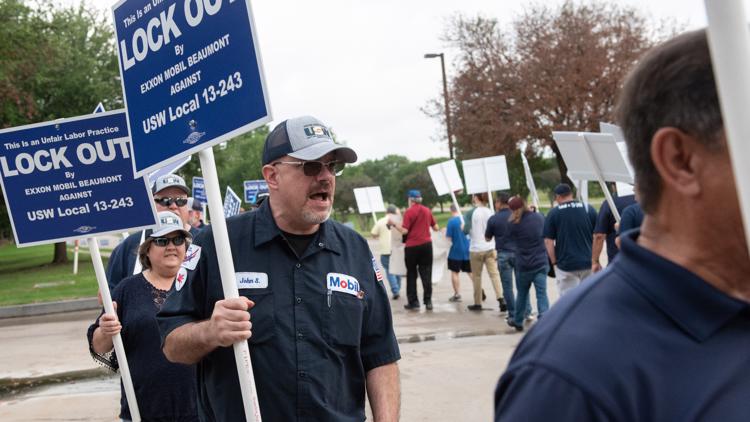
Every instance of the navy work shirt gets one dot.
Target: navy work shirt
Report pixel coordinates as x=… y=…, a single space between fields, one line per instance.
x=605 y=221
x=527 y=235
x=312 y=344
x=644 y=340
x=571 y=226
x=498 y=227
x=631 y=218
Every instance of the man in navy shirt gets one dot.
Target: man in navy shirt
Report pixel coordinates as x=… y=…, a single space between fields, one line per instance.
x=605 y=230
x=662 y=333
x=568 y=230
x=498 y=227
x=322 y=333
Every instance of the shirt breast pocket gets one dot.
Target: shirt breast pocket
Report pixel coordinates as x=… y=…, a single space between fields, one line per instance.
x=262 y=315
x=344 y=319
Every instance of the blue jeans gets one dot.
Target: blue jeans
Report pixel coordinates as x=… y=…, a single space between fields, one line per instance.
x=539 y=278
x=393 y=280
x=506 y=265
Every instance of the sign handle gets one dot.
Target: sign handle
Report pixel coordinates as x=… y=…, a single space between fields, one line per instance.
x=228 y=283
x=729 y=40
x=600 y=178
x=75 y=258
x=122 y=360
x=490 y=201
x=530 y=181
x=453 y=195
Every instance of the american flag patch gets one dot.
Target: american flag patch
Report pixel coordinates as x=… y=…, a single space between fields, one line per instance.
x=376 y=268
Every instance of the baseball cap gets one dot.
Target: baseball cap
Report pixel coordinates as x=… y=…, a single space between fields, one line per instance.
x=563 y=189
x=515 y=203
x=305 y=138
x=391 y=209
x=415 y=193
x=169 y=180
x=168 y=222
x=195 y=205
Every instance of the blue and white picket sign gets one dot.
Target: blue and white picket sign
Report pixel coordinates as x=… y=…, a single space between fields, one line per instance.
x=168 y=169
x=199 y=190
x=253 y=188
x=71 y=179
x=232 y=203
x=191 y=73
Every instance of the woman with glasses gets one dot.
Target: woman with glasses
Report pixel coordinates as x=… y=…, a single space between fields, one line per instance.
x=164 y=390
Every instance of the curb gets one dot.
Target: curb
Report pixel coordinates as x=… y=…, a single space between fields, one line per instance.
x=12 y=386
x=35 y=309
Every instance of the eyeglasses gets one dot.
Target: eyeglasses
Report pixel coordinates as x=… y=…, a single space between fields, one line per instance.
x=167 y=201
x=164 y=241
x=313 y=168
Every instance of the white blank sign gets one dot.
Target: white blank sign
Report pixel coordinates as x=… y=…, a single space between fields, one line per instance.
x=445 y=177
x=369 y=199
x=616 y=131
x=605 y=150
x=486 y=174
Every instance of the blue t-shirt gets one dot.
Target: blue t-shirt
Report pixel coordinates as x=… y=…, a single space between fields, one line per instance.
x=527 y=234
x=498 y=227
x=571 y=225
x=631 y=218
x=643 y=340
x=605 y=222
x=459 y=243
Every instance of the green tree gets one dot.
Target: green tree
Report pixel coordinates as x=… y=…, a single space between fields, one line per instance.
x=56 y=62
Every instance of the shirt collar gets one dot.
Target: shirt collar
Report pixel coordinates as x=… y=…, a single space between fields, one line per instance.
x=267 y=230
x=696 y=306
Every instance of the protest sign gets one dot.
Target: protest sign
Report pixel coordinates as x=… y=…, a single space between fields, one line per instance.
x=446 y=179
x=594 y=156
x=191 y=74
x=232 y=203
x=253 y=188
x=199 y=190
x=616 y=131
x=729 y=42
x=485 y=175
x=369 y=200
x=72 y=179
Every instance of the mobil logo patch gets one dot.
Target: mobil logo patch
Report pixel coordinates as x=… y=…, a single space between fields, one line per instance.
x=251 y=280
x=343 y=283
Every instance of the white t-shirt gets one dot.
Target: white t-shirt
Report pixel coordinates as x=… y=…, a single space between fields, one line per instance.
x=478 y=226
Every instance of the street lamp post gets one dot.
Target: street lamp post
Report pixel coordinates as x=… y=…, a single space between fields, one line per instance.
x=445 y=99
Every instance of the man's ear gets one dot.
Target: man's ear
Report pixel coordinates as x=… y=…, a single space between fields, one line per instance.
x=271 y=174
x=678 y=158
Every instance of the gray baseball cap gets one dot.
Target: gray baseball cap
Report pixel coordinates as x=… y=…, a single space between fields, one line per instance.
x=168 y=222
x=169 y=180
x=305 y=138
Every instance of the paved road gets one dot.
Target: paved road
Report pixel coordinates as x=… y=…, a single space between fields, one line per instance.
x=451 y=361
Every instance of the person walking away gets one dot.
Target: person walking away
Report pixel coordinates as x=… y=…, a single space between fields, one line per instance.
x=482 y=253
x=382 y=232
x=458 y=255
x=416 y=225
x=568 y=231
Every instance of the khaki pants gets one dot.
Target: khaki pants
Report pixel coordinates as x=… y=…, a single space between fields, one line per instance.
x=487 y=259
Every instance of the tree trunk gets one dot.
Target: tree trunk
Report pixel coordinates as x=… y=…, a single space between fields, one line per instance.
x=61 y=253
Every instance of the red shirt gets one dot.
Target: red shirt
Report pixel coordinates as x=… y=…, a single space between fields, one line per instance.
x=418 y=219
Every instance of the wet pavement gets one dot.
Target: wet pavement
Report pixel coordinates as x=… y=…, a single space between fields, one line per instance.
x=451 y=360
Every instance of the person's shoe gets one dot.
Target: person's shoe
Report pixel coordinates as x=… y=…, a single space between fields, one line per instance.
x=503 y=305
x=484 y=296
x=411 y=306
x=512 y=324
x=428 y=305
x=455 y=298
x=396 y=296
x=474 y=307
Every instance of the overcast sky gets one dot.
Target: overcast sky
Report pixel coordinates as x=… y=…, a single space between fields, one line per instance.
x=359 y=67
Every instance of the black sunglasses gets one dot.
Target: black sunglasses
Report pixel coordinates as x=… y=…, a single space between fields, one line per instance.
x=313 y=168
x=164 y=241
x=167 y=201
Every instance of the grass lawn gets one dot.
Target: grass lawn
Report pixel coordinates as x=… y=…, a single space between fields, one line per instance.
x=26 y=276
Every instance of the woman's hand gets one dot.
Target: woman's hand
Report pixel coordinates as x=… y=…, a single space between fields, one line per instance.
x=109 y=324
